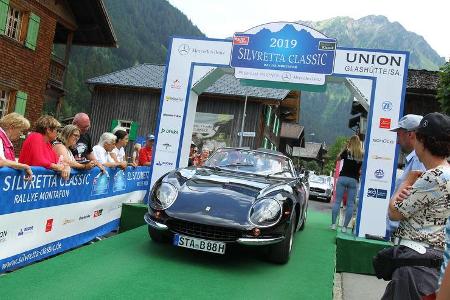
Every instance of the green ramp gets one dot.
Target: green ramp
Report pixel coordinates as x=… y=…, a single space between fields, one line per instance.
x=131 y=266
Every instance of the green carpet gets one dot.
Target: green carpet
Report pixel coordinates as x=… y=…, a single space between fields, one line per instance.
x=130 y=265
x=354 y=254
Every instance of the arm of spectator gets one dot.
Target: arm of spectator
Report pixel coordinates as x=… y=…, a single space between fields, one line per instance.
x=17 y=166
x=444 y=290
x=409 y=199
x=63 y=168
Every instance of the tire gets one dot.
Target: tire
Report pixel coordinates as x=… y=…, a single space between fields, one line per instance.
x=159 y=236
x=305 y=217
x=280 y=253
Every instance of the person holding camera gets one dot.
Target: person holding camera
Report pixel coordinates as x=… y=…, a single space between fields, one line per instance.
x=352 y=155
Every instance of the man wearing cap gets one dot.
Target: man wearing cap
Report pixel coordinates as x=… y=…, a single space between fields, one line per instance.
x=406 y=138
x=145 y=154
x=422 y=205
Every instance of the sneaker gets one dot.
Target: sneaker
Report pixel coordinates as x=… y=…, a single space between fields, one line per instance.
x=344 y=229
x=333 y=227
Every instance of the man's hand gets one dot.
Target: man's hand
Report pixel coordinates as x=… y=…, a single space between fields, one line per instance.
x=402 y=194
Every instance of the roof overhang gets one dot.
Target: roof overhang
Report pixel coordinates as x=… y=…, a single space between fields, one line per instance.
x=93 y=25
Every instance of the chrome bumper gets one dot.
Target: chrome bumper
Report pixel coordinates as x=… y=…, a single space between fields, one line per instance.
x=154 y=224
x=259 y=242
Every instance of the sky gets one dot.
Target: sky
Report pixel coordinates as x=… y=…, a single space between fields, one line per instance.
x=221 y=18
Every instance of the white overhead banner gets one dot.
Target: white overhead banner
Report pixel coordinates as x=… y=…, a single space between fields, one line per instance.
x=292 y=53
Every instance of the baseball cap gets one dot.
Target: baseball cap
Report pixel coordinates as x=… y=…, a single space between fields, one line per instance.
x=435 y=125
x=150 y=137
x=408 y=122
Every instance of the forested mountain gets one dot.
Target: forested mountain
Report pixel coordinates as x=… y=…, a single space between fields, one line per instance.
x=142 y=28
x=326 y=115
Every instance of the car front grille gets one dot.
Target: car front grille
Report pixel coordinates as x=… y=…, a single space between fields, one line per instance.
x=317 y=190
x=204 y=231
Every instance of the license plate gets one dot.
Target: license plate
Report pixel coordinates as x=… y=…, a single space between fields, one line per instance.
x=198 y=244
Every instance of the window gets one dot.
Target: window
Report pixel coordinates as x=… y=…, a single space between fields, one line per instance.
x=13 y=23
x=130 y=126
x=3 y=102
x=125 y=124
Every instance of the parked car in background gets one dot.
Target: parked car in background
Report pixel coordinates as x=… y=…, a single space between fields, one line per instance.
x=320 y=187
x=239 y=196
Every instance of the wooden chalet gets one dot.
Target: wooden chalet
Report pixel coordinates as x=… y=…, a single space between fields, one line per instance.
x=31 y=74
x=131 y=97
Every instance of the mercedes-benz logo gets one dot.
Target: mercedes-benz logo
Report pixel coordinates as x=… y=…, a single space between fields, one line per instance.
x=183 y=49
x=286 y=76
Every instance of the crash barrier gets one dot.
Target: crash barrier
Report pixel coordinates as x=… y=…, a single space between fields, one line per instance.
x=48 y=215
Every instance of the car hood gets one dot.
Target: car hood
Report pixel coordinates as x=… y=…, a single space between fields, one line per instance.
x=319 y=185
x=218 y=197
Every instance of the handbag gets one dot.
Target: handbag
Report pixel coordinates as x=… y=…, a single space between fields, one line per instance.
x=387 y=260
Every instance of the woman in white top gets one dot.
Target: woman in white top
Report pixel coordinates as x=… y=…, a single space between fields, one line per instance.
x=67 y=139
x=118 y=153
x=102 y=151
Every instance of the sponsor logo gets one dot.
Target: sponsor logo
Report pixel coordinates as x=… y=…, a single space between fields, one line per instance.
x=167 y=146
x=386 y=105
x=383 y=141
x=379 y=173
x=377 y=193
x=25 y=230
x=381 y=157
x=172 y=115
x=84 y=217
x=183 y=49
x=174 y=99
x=286 y=76
x=208 y=208
x=241 y=40
x=49 y=225
x=3 y=235
x=176 y=84
x=385 y=123
x=169 y=131
x=98 y=213
x=164 y=163
x=68 y=221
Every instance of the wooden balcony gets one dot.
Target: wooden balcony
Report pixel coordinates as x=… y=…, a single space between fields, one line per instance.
x=57 y=69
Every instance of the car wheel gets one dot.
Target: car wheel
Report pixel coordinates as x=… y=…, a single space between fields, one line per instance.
x=158 y=235
x=279 y=253
x=305 y=216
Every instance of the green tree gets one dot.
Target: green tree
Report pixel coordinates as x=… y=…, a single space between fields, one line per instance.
x=334 y=150
x=443 y=93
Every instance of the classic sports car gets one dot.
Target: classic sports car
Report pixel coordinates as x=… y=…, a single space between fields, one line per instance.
x=320 y=187
x=240 y=196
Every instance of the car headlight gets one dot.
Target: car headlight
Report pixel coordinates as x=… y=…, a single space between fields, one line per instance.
x=164 y=196
x=265 y=212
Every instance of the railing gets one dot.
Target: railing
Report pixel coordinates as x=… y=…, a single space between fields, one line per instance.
x=57 y=69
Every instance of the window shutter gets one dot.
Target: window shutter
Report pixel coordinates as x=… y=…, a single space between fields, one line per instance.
x=114 y=124
x=4 y=5
x=21 y=102
x=33 y=30
x=133 y=131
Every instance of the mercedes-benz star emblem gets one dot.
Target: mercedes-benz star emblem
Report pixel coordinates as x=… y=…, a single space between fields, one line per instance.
x=183 y=49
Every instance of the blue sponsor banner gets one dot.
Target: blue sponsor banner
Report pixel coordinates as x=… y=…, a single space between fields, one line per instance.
x=48 y=215
x=288 y=49
x=48 y=189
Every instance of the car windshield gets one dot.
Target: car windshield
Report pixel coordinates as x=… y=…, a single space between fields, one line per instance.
x=317 y=179
x=250 y=161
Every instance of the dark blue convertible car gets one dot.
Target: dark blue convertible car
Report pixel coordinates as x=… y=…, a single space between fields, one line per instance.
x=240 y=196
